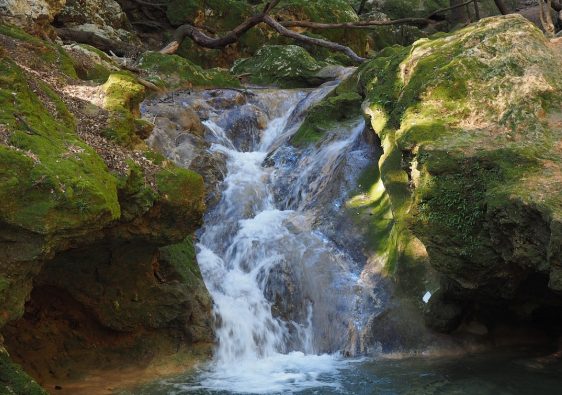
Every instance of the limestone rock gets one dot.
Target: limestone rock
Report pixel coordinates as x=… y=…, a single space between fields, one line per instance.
x=470 y=125
x=35 y=15
x=102 y=17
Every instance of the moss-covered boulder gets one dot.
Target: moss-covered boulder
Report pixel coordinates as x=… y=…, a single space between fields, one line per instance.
x=175 y=72
x=340 y=107
x=82 y=224
x=286 y=66
x=123 y=95
x=470 y=127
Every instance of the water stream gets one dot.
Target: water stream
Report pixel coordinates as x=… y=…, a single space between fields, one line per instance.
x=289 y=295
x=285 y=294
x=272 y=275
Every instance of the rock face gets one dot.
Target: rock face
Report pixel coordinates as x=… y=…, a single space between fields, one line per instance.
x=470 y=125
x=105 y=18
x=95 y=239
x=30 y=14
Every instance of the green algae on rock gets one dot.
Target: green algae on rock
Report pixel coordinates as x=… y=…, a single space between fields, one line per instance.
x=467 y=124
x=286 y=66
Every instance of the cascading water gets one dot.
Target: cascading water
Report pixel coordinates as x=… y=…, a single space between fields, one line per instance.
x=282 y=253
x=284 y=293
x=253 y=245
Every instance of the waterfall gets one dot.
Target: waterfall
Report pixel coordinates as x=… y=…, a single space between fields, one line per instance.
x=284 y=293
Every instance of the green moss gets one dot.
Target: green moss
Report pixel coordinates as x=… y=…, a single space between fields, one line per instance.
x=136 y=197
x=50 y=180
x=287 y=66
x=13 y=380
x=342 y=106
x=182 y=258
x=123 y=92
x=123 y=95
x=463 y=123
x=46 y=53
x=180 y=186
x=177 y=72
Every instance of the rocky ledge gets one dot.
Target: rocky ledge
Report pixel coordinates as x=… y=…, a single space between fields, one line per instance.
x=96 y=245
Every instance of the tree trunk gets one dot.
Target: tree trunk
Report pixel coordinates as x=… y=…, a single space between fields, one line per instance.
x=502 y=7
x=361 y=7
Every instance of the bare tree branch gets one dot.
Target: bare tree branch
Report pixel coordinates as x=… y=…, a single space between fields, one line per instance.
x=310 y=40
x=203 y=40
x=118 y=47
x=232 y=36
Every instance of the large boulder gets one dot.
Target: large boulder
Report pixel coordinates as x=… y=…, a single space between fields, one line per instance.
x=104 y=18
x=287 y=66
x=470 y=125
x=89 y=230
x=35 y=15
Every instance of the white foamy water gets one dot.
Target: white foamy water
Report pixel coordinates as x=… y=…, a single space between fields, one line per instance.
x=251 y=252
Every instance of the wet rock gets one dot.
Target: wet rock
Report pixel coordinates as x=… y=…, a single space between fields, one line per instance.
x=180 y=135
x=443 y=316
x=244 y=125
x=183 y=116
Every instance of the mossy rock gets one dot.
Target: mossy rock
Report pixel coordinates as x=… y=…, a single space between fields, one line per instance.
x=340 y=107
x=175 y=72
x=182 y=196
x=468 y=126
x=136 y=196
x=90 y=63
x=46 y=55
x=13 y=380
x=51 y=181
x=123 y=95
x=285 y=66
